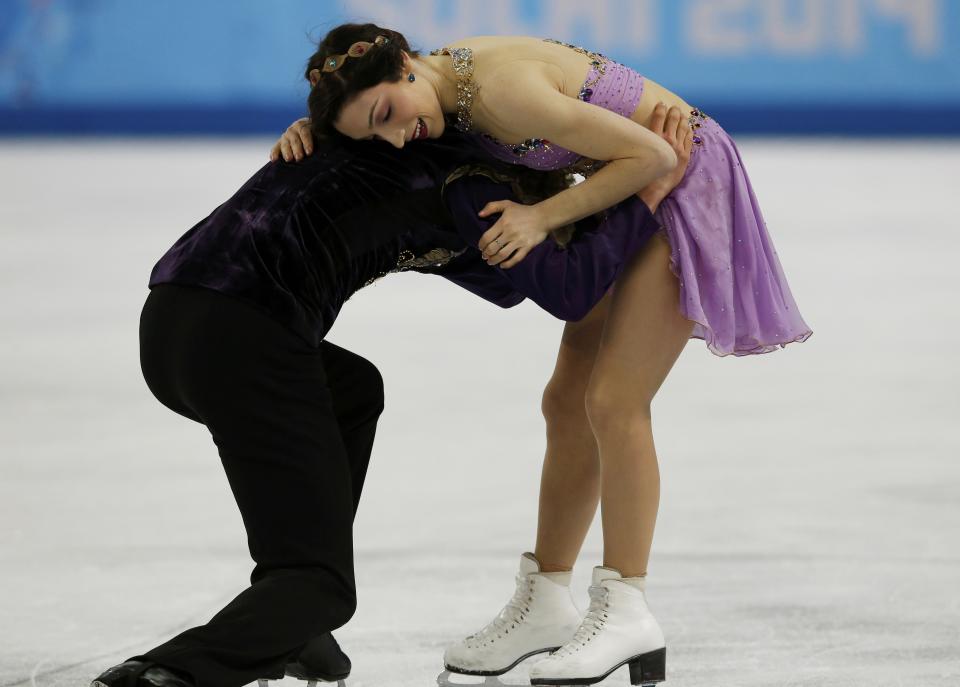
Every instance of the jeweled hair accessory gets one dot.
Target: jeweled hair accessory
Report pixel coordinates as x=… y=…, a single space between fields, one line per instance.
x=358 y=49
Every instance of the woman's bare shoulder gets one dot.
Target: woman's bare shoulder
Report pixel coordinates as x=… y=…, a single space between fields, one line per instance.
x=497 y=57
x=483 y=42
x=501 y=94
x=500 y=65
x=500 y=60
x=489 y=52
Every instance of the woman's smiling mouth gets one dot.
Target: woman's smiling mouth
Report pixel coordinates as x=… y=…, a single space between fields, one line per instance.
x=421 y=130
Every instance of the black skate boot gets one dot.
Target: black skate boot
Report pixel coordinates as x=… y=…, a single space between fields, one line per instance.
x=320 y=660
x=141 y=673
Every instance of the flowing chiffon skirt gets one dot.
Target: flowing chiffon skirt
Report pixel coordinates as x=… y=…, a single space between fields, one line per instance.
x=731 y=282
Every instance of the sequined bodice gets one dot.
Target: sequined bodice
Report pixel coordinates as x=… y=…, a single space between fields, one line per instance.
x=609 y=84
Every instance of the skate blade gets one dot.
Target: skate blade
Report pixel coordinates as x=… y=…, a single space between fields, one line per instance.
x=443 y=680
x=264 y=682
x=499 y=671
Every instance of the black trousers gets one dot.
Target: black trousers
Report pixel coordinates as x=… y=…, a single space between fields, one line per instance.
x=294 y=427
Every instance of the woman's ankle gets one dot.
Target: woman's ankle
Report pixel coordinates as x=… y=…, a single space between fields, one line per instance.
x=548 y=566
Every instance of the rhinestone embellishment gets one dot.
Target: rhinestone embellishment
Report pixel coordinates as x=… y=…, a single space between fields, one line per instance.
x=695 y=120
x=597 y=60
x=408 y=260
x=466 y=89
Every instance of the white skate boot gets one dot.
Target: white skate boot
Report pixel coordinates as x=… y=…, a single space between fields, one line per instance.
x=618 y=629
x=540 y=617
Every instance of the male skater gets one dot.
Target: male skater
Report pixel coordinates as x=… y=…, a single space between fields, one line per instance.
x=232 y=336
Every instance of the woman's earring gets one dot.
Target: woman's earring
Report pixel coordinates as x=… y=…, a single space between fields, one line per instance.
x=411 y=77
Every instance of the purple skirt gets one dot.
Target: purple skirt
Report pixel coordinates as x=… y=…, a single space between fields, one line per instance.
x=731 y=283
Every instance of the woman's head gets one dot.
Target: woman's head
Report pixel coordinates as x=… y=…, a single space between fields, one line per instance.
x=369 y=95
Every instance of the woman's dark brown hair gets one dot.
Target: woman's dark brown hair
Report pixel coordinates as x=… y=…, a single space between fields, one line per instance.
x=385 y=63
x=334 y=89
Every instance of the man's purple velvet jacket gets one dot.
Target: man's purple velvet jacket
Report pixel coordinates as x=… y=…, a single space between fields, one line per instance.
x=298 y=239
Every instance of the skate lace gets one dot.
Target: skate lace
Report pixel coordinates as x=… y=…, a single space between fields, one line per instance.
x=591 y=624
x=511 y=615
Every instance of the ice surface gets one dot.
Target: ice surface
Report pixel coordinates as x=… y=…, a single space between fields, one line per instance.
x=809 y=531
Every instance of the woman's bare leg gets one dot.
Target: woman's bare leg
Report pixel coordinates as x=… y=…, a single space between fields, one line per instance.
x=569 y=494
x=570 y=482
x=643 y=336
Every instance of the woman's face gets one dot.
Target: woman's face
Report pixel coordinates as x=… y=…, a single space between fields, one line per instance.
x=393 y=112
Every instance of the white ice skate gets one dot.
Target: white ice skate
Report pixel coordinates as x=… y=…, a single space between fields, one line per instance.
x=618 y=629
x=540 y=617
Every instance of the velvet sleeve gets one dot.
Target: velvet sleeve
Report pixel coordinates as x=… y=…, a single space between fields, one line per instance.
x=469 y=271
x=566 y=281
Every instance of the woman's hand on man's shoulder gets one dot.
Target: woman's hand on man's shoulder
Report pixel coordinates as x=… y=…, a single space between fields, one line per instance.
x=295 y=143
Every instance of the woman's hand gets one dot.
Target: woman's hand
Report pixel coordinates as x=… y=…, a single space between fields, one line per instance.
x=520 y=228
x=296 y=142
x=674 y=128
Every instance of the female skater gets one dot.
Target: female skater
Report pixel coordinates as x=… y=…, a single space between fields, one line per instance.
x=711 y=274
x=232 y=336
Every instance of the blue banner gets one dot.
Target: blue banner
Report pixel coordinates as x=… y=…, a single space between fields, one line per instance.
x=181 y=66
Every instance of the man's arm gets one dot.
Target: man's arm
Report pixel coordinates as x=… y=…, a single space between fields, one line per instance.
x=566 y=282
x=470 y=272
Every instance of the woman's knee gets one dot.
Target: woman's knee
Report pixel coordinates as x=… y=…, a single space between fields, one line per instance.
x=612 y=407
x=562 y=403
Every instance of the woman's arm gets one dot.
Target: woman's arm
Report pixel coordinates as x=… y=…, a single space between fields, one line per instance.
x=530 y=106
x=507 y=247
x=566 y=282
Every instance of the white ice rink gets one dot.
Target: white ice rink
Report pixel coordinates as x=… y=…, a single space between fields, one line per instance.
x=809 y=531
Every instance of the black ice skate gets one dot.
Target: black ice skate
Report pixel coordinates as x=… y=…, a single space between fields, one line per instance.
x=321 y=660
x=140 y=673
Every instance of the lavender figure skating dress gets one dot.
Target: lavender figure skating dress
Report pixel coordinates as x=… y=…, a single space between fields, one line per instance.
x=731 y=283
